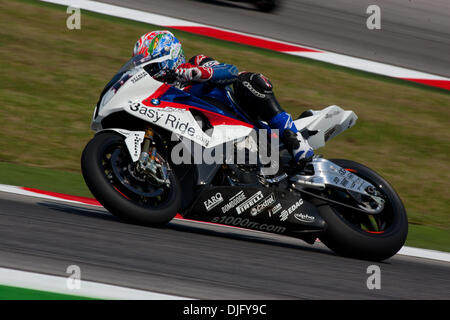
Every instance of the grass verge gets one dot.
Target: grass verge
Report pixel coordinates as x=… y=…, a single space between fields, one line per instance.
x=16 y=293
x=51 y=78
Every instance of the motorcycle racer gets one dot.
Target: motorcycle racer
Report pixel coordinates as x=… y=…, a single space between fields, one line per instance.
x=253 y=91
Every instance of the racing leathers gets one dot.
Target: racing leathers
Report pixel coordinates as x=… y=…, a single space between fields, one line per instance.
x=252 y=91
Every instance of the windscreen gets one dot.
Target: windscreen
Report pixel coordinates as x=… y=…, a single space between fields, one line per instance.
x=128 y=70
x=121 y=77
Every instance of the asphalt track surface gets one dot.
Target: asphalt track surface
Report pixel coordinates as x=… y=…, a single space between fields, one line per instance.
x=214 y=262
x=414 y=33
x=196 y=260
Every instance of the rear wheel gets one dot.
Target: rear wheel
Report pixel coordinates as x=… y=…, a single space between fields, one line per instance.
x=356 y=234
x=122 y=189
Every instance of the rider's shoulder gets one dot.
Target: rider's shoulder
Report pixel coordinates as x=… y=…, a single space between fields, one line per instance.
x=203 y=61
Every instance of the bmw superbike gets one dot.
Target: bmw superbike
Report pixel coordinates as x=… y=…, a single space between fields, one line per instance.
x=144 y=128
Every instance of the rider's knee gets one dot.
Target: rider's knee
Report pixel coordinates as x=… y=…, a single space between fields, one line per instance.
x=254 y=92
x=251 y=85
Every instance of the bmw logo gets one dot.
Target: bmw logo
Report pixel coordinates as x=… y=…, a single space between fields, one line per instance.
x=155 y=102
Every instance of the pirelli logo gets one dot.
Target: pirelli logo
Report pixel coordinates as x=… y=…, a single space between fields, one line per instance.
x=250 y=202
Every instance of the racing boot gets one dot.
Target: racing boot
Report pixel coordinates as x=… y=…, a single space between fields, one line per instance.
x=300 y=150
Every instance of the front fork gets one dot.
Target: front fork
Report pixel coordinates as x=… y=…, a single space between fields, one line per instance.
x=148 y=162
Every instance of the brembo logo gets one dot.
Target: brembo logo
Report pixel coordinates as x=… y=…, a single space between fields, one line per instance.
x=213 y=201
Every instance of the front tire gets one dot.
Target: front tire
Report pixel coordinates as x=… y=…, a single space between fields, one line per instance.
x=344 y=234
x=109 y=189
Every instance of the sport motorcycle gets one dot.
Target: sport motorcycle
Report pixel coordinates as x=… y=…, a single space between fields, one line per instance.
x=144 y=127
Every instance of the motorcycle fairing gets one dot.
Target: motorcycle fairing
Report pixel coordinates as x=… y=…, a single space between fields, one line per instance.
x=326 y=124
x=256 y=205
x=170 y=108
x=222 y=95
x=165 y=106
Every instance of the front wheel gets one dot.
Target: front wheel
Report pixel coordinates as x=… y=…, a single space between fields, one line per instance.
x=372 y=237
x=124 y=190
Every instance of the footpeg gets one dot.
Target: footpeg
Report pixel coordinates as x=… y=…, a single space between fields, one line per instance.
x=306 y=182
x=277 y=179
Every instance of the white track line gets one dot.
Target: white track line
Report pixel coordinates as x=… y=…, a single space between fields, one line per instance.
x=89 y=289
x=320 y=55
x=368 y=66
x=406 y=251
x=122 y=12
x=21 y=191
x=425 y=253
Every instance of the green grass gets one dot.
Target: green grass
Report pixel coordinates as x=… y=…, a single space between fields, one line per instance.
x=428 y=238
x=15 y=293
x=51 y=77
x=45 y=179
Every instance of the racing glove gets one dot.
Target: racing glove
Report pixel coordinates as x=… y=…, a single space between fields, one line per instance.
x=166 y=75
x=191 y=73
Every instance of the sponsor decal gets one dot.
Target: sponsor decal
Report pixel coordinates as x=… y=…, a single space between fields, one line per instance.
x=213 y=201
x=348 y=180
x=180 y=122
x=332 y=114
x=134 y=105
x=250 y=202
x=138 y=77
x=133 y=142
x=234 y=201
x=285 y=213
x=262 y=205
x=248 y=224
x=137 y=144
x=172 y=110
x=275 y=209
x=162 y=118
x=304 y=217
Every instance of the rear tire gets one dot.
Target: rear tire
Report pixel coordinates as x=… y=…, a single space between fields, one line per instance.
x=109 y=195
x=347 y=239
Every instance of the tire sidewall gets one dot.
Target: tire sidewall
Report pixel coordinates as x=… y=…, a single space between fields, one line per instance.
x=111 y=199
x=346 y=240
